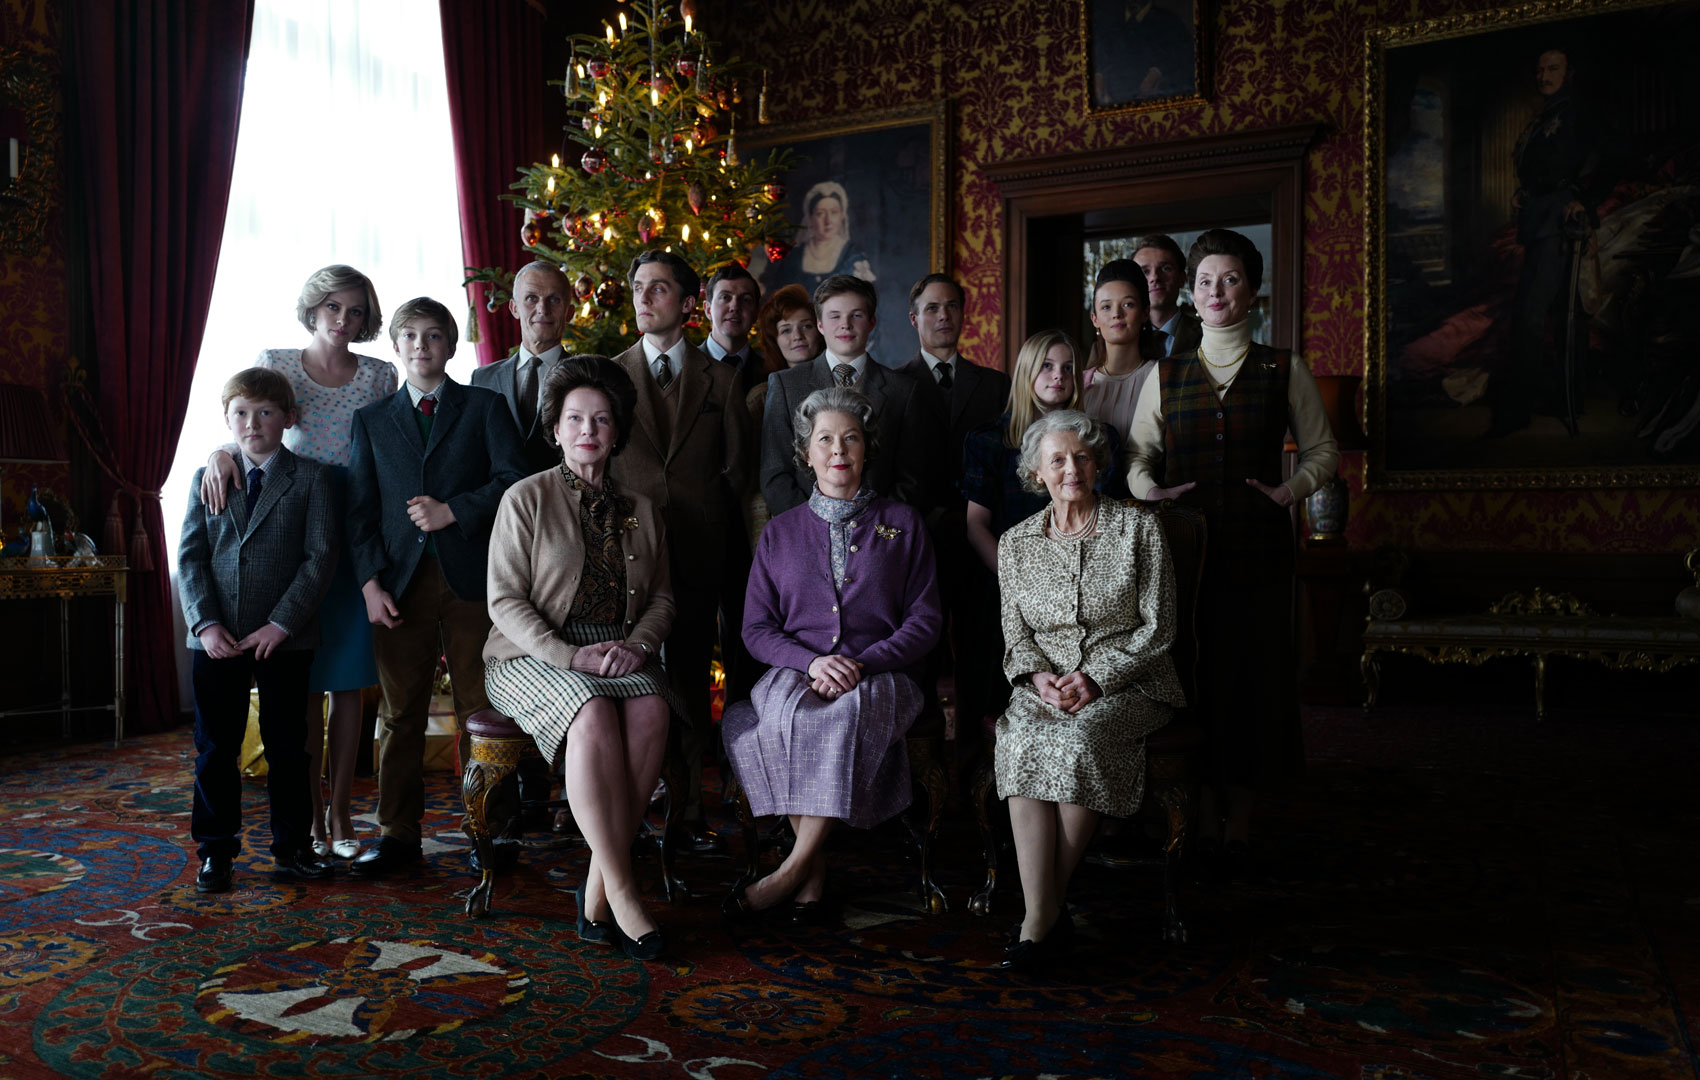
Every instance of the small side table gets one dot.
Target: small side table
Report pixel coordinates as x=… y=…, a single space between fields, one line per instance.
x=67 y=577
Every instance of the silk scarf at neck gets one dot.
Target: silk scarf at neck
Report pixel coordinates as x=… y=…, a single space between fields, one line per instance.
x=838 y=513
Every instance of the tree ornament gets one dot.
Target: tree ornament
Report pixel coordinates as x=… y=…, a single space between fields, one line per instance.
x=705 y=130
x=752 y=212
x=646 y=228
x=583 y=287
x=610 y=293
x=696 y=196
x=595 y=160
x=660 y=217
x=660 y=83
x=774 y=190
x=724 y=97
x=492 y=305
x=596 y=69
x=777 y=250
x=688 y=9
x=570 y=88
x=536 y=225
x=686 y=66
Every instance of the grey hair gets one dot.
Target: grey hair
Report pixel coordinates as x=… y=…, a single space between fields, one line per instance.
x=839 y=399
x=1089 y=431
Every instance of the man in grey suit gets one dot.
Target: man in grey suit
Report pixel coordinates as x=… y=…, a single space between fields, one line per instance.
x=687 y=455
x=1175 y=328
x=250 y=580
x=844 y=306
x=540 y=303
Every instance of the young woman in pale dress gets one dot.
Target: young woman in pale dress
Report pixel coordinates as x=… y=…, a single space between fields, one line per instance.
x=339 y=307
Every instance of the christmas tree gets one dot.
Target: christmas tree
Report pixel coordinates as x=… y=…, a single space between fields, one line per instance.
x=654 y=109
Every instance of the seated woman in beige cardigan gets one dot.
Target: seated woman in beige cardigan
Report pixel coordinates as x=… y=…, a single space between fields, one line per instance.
x=580 y=601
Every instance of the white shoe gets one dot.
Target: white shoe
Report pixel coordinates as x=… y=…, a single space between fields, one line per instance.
x=321 y=848
x=346 y=849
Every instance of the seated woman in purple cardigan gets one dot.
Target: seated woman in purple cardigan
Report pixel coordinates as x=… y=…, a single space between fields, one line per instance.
x=843 y=603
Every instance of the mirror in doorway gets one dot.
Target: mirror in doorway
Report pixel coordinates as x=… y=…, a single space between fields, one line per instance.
x=1103 y=249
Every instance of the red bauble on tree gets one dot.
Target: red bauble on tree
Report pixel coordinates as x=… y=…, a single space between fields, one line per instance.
x=696 y=196
x=686 y=66
x=774 y=190
x=598 y=69
x=646 y=228
x=595 y=160
x=610 y=294
x=705 y=130
x=536 y=226
x=583 y=287
x=777 y=250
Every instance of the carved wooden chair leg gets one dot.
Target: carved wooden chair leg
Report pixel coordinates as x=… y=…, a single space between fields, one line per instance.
x=747 y=824
x=1177 y=800
x=928 y=772
x=985 y=782
x=672 y=813
x=492 y=761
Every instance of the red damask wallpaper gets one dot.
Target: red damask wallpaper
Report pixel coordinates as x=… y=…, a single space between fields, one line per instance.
x=34 y=311
x=1013 y=69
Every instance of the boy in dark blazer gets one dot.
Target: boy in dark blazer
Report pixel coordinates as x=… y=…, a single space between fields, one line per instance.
x=250 y=580
x=430 y=464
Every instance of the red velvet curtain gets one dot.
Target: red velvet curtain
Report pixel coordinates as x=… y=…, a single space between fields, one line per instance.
x=157 y=94
x=494 y=56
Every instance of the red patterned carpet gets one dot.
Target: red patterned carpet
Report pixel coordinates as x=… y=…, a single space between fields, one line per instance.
x=1447 y=895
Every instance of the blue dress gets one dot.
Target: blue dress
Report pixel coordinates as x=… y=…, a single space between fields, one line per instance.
x=323 y=432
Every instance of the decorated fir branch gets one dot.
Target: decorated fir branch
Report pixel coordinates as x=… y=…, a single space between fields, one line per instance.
x=652 y=161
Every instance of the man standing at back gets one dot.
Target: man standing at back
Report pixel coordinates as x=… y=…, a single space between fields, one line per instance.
x=687 y=454
x=844 y=309
x=733 y=297
x=1175 y=326
x=540 y=304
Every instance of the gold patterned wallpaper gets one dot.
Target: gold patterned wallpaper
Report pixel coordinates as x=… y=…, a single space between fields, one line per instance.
x=1013 y=69
x=34 y=310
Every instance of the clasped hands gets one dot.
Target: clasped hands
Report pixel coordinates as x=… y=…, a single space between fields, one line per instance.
x=220 y=644
x=609 y=659
x=1069 y=693
x=830 y=676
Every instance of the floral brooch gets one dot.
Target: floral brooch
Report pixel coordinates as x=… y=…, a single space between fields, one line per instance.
x=631 y=524
x=887 y=532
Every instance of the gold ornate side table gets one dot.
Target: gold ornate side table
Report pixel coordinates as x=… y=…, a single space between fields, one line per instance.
x=67 y=577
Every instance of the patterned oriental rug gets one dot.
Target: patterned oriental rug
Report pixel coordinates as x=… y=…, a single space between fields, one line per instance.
x=1445 y=895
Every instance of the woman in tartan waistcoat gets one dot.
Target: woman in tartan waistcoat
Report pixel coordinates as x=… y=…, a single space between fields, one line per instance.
x=1208 y=430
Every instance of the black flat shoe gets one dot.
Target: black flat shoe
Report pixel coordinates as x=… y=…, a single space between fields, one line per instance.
x=737 y=907
x=648 y=947
x=214 y=875
x=590 y=929
x=808 y=913
x=303 y=865
x=1026 y=957
x=386 y=857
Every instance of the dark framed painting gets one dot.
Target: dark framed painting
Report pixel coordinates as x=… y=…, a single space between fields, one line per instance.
x=1533 y=240
x=870 y=197
x=1142 y=54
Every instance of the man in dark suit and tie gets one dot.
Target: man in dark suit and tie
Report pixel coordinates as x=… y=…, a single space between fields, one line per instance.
x=687 y=454
x=1175 y=329
x=844 y=306
x=540 y=303
x=733 y=297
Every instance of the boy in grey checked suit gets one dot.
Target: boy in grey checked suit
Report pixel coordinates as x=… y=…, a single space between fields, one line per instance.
x=251 y=579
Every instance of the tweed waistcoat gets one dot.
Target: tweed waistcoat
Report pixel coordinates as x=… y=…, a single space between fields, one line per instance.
x=1219 y=443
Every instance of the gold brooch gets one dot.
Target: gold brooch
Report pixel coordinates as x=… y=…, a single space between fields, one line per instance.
x=632 y=523
x=887 y=532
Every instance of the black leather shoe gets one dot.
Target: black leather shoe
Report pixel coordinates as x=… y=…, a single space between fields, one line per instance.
x=737 y=907
x=808 y=913
x=304 y=865
x=590 y=930
x=648 y=947
x=214 y=875
x=386 y=857
x=1026 y=956
x=698 y=839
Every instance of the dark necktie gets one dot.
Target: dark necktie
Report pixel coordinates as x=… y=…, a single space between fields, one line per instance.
x=256 y=480
x=845 y=374
x=663 y=371
x=527 y=394
x=427 y=405
x=944 y=375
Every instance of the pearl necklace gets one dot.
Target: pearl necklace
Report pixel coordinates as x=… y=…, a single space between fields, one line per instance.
x=1084 y=530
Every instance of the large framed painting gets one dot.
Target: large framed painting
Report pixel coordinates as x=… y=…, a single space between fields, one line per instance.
x=1142 y=54
x=870 y=197
x=1533 y=240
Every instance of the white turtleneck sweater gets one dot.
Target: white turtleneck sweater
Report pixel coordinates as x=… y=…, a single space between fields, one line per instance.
x=1318 y=453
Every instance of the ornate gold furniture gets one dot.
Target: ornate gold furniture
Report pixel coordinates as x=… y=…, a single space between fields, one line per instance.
x=1538 y=626
x=65 y=577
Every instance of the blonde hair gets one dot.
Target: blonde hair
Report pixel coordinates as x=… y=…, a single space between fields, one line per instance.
x=334 y=279
x=1024 y=408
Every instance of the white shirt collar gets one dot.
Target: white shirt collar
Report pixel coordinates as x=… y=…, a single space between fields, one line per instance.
x=264 y=466
x=675 y=353
x=419 y=395
x=548 y=356
x=716 y=350
x=933 y=362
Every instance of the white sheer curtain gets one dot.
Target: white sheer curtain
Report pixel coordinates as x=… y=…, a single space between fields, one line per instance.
x=344 y=155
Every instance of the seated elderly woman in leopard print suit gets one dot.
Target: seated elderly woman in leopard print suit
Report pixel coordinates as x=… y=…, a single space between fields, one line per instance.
x=1088 y=617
